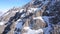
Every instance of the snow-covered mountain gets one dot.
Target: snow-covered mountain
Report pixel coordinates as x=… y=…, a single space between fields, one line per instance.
x=36 y=17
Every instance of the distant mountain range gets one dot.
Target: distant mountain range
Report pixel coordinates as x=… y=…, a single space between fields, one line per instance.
x=1 y=13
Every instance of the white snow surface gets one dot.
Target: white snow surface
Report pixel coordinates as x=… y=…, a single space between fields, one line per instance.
x=2 y=23
x=30 y=31
x=46 y=19
x=21 y=10
x=23 y=15
x=32 y=10
x=40 y=18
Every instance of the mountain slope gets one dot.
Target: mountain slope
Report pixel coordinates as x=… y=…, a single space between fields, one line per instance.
x=36 y=17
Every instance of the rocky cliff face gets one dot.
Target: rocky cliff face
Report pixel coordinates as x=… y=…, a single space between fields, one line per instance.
x=36 y=17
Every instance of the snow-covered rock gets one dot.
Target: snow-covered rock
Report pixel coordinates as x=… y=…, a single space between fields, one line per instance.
x=1 y=23
x=36 y=17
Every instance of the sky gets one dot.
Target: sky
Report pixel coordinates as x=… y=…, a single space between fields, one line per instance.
x=8 y=4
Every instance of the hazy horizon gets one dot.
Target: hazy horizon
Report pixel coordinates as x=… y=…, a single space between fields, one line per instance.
x=7 y=4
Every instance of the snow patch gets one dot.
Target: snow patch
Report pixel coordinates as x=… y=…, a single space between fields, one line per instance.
x=39 y=18
x=26 y=28
x=23 y=15
x=21 y=10
x=32 y=9
x=19 y=20
x=39 y=30
x=30 y=31
x=2 y=23
x=47 y=11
